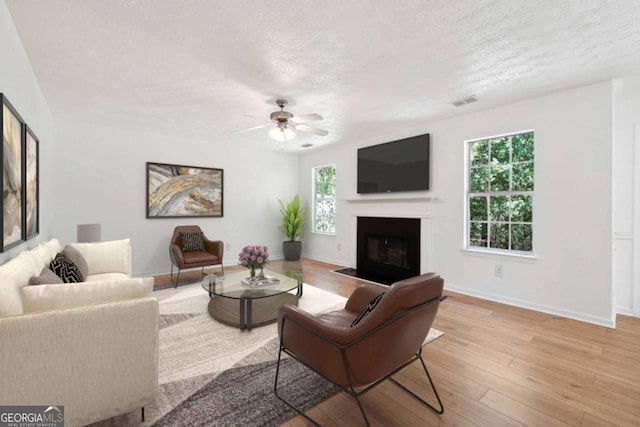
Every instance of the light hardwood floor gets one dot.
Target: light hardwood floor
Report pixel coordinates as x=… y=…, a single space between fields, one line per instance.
x=499 y=365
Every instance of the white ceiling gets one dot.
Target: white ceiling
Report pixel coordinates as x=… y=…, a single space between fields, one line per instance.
x=201 y=68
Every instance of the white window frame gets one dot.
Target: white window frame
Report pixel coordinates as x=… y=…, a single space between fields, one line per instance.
x=314 y=173
x=467 y=194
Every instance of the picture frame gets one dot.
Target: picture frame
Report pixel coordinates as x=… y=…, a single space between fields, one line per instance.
x=179 y=191
x=11 y=214
x=31 y=183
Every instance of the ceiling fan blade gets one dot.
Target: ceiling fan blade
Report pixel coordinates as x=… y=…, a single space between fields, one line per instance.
x=254 y=128
x=309 y=129
x=313 y=117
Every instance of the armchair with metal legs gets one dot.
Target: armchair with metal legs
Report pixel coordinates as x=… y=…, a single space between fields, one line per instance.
x=211 y=256
x=388 y=338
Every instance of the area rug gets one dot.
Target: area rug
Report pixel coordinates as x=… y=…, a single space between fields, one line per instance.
x=211 y=374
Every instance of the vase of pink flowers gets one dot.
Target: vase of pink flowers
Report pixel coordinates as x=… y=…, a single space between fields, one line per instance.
x=254 y=257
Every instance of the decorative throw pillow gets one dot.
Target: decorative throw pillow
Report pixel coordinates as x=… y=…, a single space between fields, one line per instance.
x=46 y=277
x=368 y=309
x=192 y=242
x=76 y=257
x=66 y=269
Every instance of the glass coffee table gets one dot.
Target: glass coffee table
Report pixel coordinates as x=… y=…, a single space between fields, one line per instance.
x=250 y=304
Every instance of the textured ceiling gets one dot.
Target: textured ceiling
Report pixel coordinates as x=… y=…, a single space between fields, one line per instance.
x=202 y=68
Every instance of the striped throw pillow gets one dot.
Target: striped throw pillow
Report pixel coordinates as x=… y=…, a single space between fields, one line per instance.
x=66 y=269
x=368 y=309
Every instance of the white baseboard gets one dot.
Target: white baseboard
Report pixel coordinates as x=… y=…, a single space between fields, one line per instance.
x=328 y=261
x=175 y=270
x=625 y=311
x=600 y=321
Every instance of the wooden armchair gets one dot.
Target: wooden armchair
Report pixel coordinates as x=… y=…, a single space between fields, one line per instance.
x=208 y=254
x=368 y=341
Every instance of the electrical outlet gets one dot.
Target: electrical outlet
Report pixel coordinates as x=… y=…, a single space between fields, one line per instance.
x=227 y=246
x=339 y=246
x=499 y=270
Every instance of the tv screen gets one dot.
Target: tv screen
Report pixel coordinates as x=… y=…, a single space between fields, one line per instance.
x=401 y=165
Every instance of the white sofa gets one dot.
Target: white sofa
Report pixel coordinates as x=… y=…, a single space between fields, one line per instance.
x=91 y=346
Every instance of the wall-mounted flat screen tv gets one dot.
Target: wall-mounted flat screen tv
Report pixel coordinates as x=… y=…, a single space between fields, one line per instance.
x=401 y=165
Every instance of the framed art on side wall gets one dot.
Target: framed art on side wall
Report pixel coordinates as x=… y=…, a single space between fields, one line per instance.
x=183 y=191
x=12 y=215
x=31 y=182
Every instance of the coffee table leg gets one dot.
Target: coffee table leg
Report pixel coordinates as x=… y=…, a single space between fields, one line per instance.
x=242 y=320
x=249 y=307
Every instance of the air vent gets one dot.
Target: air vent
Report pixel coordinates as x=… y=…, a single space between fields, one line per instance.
x=306 y=145
x=464 y=101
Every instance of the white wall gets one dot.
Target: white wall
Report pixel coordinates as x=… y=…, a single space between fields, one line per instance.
x=571 y=275
x=101 y=177
x=18 y=83
x=626 y=120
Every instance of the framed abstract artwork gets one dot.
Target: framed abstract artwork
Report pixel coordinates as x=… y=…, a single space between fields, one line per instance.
x=183 y=191
x=31 y=185
x=11 y=155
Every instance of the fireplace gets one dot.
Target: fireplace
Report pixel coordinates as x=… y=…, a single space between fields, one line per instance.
x=388 y=249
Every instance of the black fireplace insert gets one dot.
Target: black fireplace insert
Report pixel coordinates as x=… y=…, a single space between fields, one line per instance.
x=388 y=249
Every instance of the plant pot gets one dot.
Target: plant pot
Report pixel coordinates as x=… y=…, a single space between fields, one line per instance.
x=292 y=250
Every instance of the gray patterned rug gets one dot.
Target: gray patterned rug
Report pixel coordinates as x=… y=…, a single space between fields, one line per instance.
x=243 y=395
x=211 y=374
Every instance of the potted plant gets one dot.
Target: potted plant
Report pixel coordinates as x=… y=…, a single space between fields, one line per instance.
x=291 y=226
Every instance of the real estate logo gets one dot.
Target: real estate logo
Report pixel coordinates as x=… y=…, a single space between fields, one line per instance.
x=32 y=416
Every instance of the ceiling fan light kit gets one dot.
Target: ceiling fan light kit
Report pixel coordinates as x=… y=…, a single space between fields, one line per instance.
x=282 y=133
x=284 y=124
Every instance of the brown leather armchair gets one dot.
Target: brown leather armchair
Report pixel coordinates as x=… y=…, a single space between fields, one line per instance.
x=212 y=255
x=382 y=343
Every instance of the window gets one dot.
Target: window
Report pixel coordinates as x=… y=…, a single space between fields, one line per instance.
x=324 y=199
x=500 y=193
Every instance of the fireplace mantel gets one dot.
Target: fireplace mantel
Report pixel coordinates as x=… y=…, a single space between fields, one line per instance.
x=384 y=199
x=396 y=205
x=408 y=207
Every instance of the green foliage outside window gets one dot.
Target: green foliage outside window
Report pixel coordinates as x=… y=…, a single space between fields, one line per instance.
x=325 y=199
x=500 y=198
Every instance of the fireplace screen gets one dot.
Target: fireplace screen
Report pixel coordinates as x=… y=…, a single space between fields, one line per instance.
x=390 y=251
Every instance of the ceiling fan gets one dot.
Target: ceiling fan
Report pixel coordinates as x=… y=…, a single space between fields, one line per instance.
x=284 y=124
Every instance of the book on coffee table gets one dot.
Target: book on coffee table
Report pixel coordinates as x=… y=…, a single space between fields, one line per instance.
x=260 y=281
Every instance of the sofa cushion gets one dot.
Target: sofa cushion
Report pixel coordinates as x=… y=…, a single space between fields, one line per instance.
x=105 y=276
x=74 y=255
x=42 y=254
x=199 y=256
x=106 y=257
x=16 y=272
x=66 y=269
x=46 y=277
x=192 y=241
x=67 y=295
x=53 y=246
